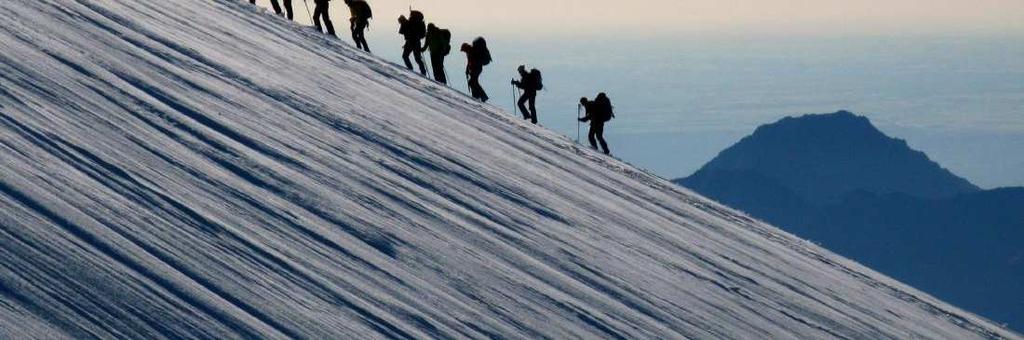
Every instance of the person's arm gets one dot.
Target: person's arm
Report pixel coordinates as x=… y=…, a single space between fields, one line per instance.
x=586 y=113
x=522 y=77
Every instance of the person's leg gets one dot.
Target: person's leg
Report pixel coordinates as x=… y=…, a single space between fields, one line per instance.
x=600 y=138
x=360 y=35
x=483 y=94
x=474 y=84
x=419 y=60
x=591 y=136
x=327 y=19
x=437 y=66
x=288 y=9
x=362 y=40
x=522 y=106
x=354 y=27
x=406 y=51
x=442 y=76
x=533 y=107
x=318 y=10
x=276 y=6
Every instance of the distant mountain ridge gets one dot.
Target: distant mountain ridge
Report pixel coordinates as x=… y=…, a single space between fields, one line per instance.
x=837 y=180
x=822 y=157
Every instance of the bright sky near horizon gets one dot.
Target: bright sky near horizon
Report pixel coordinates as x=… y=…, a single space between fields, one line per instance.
x=571 y=17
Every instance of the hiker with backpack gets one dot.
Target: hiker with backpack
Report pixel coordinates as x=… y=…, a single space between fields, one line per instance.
x=439 y=42
x=530 y=83
x=477 y=56
x=599 y=111
x=322 y=10
x=414 y=30
x=360 y=20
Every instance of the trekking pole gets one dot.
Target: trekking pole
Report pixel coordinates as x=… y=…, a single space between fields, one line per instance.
x=515 y=109
x=579 y=114
x=305 y=4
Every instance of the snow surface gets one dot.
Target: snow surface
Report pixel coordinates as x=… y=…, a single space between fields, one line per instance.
x=196 y=168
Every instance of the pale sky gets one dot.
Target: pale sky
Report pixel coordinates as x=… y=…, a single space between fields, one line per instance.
x=646 y=17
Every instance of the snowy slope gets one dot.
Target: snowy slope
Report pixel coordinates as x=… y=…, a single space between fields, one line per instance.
x=167 y=172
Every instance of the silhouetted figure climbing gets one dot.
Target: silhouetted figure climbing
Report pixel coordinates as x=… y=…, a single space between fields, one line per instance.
x=322 y=10
x=530 y=82
x=414 y=30
x=477 y=56
x=439 y=42
x=360 y=20
x=599 y=111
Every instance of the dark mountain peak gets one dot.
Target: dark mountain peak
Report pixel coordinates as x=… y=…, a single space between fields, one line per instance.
x=836 y=179
x=821 y=157
x=830 y=128
x=841 y=117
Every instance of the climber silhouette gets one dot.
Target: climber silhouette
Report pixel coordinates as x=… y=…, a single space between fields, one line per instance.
x=599 y=111
x=323 y=10
x=530 y=82
x=414 y=30
x=439 y=42
x=477 y=56
x=360 y=20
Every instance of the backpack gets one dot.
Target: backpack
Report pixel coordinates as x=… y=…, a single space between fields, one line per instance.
x=446 y=41
x=362 y=10
x=603 y=108
x=417 y=28
x=483 y=55
x=538 y=80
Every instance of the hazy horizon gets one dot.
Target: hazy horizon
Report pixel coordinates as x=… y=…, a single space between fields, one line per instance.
x=641 y=18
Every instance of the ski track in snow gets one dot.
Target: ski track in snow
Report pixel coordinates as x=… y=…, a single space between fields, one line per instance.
x=201 y=169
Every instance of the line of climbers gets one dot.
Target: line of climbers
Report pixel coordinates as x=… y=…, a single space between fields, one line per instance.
x=438 y=42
